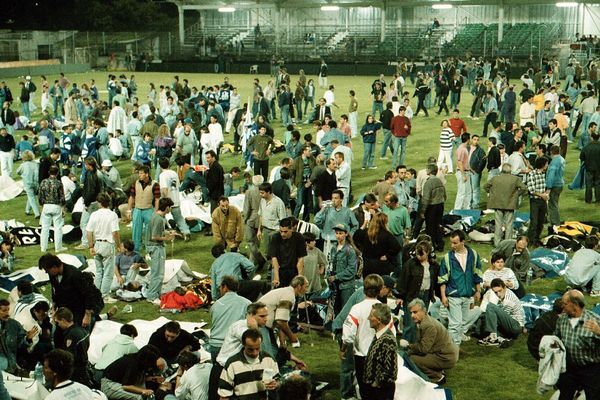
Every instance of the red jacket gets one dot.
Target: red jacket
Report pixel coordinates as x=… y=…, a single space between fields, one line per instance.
x=398 y=126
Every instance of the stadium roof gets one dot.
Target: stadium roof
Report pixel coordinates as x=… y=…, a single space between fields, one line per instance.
x=245 y=4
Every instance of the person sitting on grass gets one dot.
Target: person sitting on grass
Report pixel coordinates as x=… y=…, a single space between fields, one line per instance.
x=584 y=267
x=506 y=318
x=497 y=269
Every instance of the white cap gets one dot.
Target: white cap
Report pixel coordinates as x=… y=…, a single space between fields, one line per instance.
x=106 y=163
x=28 y=77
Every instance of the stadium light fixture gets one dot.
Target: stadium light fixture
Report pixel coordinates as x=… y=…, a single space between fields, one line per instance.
x=441 y=6
x=226 y=9
x=566 y=4
x=330 y=8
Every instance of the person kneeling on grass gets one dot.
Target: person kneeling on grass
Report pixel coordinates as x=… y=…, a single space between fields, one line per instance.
x=507 y=317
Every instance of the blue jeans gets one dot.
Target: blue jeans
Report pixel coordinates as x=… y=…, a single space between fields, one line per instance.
x=368 y=155
x=25 y=109
x=299 y=110
x=105 y=266
x=454 y=100
x=157 y=271
x=58 y=105
x=4 y=393
x=32 y=202
x=307 y=101
x=179 y=220
x=285 y=115
x=141 y=221
x=398 y=156
x=475 y=187
x=376 y=107
x=387 y=142
x=303 y=198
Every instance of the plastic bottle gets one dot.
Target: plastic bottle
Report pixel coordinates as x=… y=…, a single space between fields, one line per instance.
x=38 y=373
x=529 y=277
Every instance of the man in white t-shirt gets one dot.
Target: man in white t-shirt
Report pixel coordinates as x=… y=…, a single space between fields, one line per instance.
x=169 y=187
x=58 y=366
x=103 y=238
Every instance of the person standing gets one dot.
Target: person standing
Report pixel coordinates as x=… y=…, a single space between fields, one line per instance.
x=477 y=161
x=92 y=186
x=169 y=187
x=156 y=249
x=143 y=200
x=7 y=152
x=252 y=217
x=301 y=170
x=104 y=239
x=52 y=199
x=538 y=198
x=555 y=180
x=24 y=98
x=463 y=172
x=271 y=211
x=590 y=155
x=286 y=251
x=29 y=170
x=381 y=364
x=503 y=197
x=491 y=112
x=579 y=330
x=323 y=74
x=369 y=135
x=344 y=262
x=386 y=120
x=459 y=280
x=400 y=127
x=431 y=206
x=227 y=227
x=446 y=145
x=260 y=146
x=215 y=179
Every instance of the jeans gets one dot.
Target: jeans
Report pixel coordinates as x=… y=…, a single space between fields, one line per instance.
x=476 y=190
x=537 y=214
x=496 y=319
x=307 y=101
x=303 y=198
x=32 y=202
x=179 y=220
x=299 y=109
x=458 y=314
x=398 y=143
x=3 y=392
x=58 y=105
x=157 y=271
x=476 y=107
x=105 y=266
x=592 y=183
x=387 y=142
x=285 y=115
x=368 y=155
x=489 y=119
x=347 y=388
x=553 y=211
x=140 y=222
x=51 y=214
x=454 y=99
x=463 y=191
x=492 y=173
x=376 y=107
x=503 y=218
x=25 y=109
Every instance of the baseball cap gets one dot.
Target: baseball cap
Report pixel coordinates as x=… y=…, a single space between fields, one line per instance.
x=389 y=282
x=106 y=163
x=341 y=227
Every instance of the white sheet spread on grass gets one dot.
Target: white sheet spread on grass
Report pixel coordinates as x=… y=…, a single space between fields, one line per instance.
x=105 y=331
x=411 y=386
x=9 y=189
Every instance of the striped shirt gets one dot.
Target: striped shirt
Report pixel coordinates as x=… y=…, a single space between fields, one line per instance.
x=512 y=305
x=242 y=379
x=446 y=137
x=506 y=274
x=536 y=182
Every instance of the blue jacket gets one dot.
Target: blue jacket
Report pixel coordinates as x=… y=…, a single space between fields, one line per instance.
x=555 y=176
x=460 y=283
x=344 y=264
x=369 y=132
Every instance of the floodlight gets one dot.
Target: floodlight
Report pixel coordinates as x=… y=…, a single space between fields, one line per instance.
x=441 y=6
x=330 y=8
x=566 y=4
x=226 y=9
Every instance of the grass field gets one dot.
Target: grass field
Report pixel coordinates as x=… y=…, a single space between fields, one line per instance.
x=481 y=372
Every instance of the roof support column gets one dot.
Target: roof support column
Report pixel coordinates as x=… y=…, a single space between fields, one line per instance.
x=500 y=21
x=181 y=24
x=382 y=35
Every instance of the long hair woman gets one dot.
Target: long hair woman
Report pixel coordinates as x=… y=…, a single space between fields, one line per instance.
x=378 y=246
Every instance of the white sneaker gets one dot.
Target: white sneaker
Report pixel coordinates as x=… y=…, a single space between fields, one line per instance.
x=296 y=344
x=109 y=300
x=156 y=301
x=81 y=247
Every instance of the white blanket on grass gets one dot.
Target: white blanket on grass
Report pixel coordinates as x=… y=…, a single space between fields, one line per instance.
x=9 y=189
x=190 y=210
x=411 y=386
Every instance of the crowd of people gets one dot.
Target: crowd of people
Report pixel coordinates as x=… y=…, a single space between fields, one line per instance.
x=363 y=258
